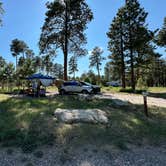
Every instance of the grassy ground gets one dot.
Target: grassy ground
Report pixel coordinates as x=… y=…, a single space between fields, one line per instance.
x=29 y=122
x=111 y=89
x=157 y=89
x=128 y=89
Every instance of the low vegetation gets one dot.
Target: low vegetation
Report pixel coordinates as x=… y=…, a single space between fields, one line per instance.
x=155 y=90
x=29 y=123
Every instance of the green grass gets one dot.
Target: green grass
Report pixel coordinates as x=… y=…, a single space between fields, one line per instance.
x=121 y=90
x=111 y=89
x=157 y=89
x=29 y=123
x=158 y=92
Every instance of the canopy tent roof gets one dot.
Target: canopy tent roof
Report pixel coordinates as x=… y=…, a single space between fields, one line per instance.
x=39 y=76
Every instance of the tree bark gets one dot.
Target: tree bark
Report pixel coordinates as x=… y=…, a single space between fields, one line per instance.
x=16 y=62
x=123 y=77
x=66 y=43
x=131 y=53
x=132 y=69
x=65 y=65
x=74 y=75
x=98 y=70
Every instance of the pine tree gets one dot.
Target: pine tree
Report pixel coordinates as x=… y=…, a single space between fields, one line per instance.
x=64 y=28
x=96 y=59
x=73 y=66
x=161 y=37
x=57 y=71
x=18 y=47
x=107 y=71
x=47 y=63
x=135 y=18
x=116 y=45
x=29 y=54
x=130 y=40
x=1 y=13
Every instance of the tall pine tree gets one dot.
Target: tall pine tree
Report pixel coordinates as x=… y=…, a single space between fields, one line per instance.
x=64 y=28
x=96 y=59
x=161 y=37
x=73 y=66
x=129 y=39
x=116 y=45
x=135 y=18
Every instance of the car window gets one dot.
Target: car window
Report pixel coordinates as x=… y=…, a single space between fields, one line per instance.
x=72 y=83
x=82 y=83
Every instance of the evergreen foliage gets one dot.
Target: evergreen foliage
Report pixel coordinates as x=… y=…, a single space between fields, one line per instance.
x=64 y=28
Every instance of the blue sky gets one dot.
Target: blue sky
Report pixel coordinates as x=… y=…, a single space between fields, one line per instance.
x=23 y=20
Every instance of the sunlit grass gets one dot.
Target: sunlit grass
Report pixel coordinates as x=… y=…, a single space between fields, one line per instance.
x=29 y=122
x=3 y=97
x=111 y=89
x=157 y=89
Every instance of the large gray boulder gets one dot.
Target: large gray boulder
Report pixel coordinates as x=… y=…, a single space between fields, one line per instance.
x=81 y=115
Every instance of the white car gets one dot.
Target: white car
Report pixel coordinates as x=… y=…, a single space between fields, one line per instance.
x=75 y=87
x=113 y=83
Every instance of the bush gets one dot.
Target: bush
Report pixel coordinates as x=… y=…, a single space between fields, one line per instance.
x=87 y=79
x=127 y=90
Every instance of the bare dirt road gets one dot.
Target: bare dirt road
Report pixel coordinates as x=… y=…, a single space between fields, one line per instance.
x=135 y=99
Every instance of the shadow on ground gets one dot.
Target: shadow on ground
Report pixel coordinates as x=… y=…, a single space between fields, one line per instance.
x=29 y=123
x=158 y=95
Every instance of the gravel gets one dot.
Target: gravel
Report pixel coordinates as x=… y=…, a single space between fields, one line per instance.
x=86 y=156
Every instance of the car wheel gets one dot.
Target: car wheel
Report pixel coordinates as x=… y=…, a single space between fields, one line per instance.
x=85 y=92
x=62 y=92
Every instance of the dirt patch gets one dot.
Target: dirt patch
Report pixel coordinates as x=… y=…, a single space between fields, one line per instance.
x=135 y=99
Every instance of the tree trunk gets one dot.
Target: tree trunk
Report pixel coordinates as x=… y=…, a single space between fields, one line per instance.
x=98 y=70
x=123 y=77
x=132 y=69
x=66 y=43
x=74 y=75
x=131 y=53
x=65 y=65
x=23 y=55
x=16 y=62
x=123 y=73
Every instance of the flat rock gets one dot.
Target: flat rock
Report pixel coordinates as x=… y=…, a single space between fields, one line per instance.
x=81 y=115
